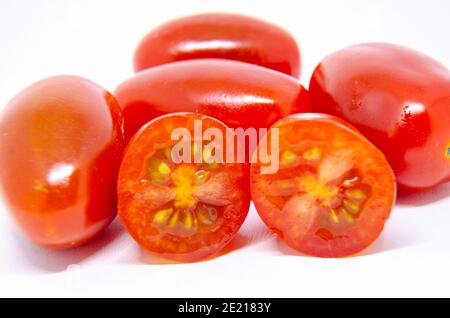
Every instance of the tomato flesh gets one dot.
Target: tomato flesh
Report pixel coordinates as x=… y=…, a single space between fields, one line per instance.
x=219 y=35
x=399 y=99
x=182 y=211
x=333 y=191
x=61 y=143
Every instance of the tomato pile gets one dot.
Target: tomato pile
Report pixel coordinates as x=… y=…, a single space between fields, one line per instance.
x=375 y=118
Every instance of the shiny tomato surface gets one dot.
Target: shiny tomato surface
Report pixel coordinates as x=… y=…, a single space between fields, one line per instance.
x=333 y=191
x=239 y=94
x=219 y=35
x=185 y=211
x=399 y=99
x=61 y=143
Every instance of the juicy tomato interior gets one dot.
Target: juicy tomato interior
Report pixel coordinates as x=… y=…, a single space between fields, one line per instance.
x=333 y=190
x=182 y=211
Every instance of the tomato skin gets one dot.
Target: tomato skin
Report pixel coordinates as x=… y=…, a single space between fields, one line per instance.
x=61 y=142
x=399 y=99
x=218 y=35
x=140 y=197
x=238 y=94
x=304 y=217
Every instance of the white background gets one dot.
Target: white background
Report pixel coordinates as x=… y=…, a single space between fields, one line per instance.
x=96 y=39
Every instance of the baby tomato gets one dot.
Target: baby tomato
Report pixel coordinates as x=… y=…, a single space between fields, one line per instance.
x=239 y=94
x=218 y=35
x=61 y=142
x=333 y=191
x=182 y=210
x=399 y=99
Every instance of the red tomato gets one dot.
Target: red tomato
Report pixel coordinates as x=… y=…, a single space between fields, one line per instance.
x=61 y=143
x=333 y=191
x=227 y=36
x=182 y=211
x=399 y=99
x=239 y=94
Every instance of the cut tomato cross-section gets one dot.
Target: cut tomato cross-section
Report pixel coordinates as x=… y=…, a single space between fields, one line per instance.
x=181 y=210
x=333 y=191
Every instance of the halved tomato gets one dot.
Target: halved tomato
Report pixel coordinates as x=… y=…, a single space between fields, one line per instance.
x=333 y=191
x=184 y=211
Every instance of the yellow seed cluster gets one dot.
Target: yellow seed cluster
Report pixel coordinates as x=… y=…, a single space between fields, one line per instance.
x=162 y=216
x=313 y=154
x=288 y=157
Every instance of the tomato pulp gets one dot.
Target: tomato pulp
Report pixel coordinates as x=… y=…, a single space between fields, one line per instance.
x=219 y=35
x=238 y=94
x=184 y=211
x=399 y=99
x=61 y=142
x=333 y=191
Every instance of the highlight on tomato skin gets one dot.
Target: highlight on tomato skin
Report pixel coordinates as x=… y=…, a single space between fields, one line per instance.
x=181 y=211
x=61 y=143
x=399 y=99
x=220 y=35
x=238 y=94
x=333 y=191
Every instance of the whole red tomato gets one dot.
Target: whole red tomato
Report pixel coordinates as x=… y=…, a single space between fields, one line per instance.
x=61 y=144
x=399 y=99
x=239 y=94
x=218 y=35
x=333 y=190
x=181 y=210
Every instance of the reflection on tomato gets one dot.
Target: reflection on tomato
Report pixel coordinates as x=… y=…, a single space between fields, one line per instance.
x=219 y=35
x=399 y=99
x=182 y=211
x=333 y=191
x=61 y=143
x=238 y=94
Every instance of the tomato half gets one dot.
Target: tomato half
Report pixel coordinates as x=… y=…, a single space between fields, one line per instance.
x=219 y=35
x=333 y=191
x=61 y=142
x=399 y=99
x=183 y=211
x=238 y=94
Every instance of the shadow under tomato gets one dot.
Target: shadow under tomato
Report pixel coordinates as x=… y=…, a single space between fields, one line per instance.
x=253 y=231
x=54 y=260
x=238 y=242
x=424 y=197
x=285 y=250
x=388 y=241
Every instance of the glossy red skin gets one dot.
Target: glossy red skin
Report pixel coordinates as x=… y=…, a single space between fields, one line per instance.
x=399 y=99
x=218 y=35
x=238 y=94
x=138 y=202
x=61 y=143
